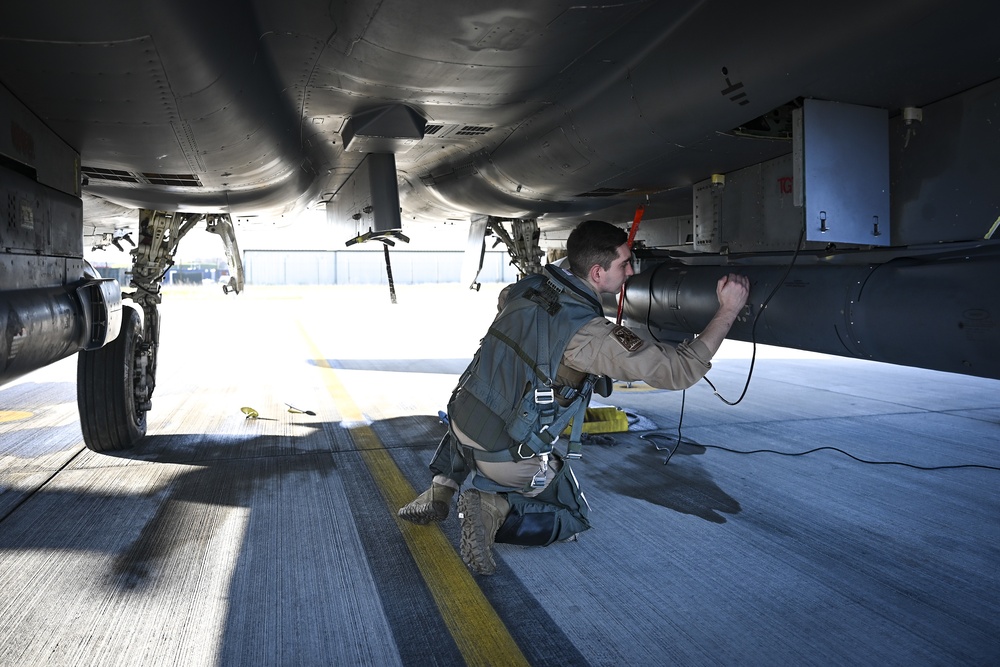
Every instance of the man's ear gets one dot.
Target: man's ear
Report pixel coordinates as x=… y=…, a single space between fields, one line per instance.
x=595 y=274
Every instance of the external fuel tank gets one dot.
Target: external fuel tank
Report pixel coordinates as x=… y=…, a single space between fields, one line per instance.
x=939 y=311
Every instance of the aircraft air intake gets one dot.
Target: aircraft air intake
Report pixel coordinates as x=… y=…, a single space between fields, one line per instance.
x=41 y=326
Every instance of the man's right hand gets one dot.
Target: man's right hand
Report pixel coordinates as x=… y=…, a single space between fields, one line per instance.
x=733 y=291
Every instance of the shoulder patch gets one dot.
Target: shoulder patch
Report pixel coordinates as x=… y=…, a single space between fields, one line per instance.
x=626 y=338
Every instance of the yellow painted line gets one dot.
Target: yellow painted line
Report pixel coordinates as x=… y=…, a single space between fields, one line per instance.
x=13 y=415
x=480 y=634
x=993 y=229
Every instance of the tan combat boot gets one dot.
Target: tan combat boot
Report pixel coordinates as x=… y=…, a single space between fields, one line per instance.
x=481 y=515
x=431 y=505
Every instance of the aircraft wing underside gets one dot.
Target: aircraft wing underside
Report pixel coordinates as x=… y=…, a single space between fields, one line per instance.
x=553 y=110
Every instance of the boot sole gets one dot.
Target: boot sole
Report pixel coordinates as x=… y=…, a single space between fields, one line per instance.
x=475 y=546
x=424 y=514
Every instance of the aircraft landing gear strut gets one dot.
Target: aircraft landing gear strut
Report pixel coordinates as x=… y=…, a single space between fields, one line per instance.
x=115 y=383
x=522 y=243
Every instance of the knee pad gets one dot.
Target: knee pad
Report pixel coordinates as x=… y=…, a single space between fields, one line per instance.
x=536 y=529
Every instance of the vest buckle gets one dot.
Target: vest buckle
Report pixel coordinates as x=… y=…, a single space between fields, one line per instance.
x=522 y=456
x=545 y=396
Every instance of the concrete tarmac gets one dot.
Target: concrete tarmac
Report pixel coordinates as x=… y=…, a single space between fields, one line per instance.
x=222 y=540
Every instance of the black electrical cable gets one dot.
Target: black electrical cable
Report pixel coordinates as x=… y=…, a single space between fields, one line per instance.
x=753 y=328
x=753 y=338
x=816 y=449
x=679 y=437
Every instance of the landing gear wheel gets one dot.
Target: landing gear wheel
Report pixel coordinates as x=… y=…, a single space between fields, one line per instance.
x=106 y=390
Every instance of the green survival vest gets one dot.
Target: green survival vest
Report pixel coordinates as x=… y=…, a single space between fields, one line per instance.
x=507 y=400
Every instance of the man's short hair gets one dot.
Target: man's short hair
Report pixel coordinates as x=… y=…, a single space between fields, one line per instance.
x=593 y=242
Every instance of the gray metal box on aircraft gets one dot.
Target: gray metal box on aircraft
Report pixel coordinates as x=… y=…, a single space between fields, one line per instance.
x=835 y=182
x=841 y=163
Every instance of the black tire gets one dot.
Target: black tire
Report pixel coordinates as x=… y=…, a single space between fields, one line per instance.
x=105 y=390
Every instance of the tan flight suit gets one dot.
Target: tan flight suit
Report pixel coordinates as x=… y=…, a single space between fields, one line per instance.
x=602 y=348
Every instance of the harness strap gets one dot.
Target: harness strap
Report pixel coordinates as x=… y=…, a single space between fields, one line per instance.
x=542 y=442
x=525 y=357
x=481 y=481
x=486 y=484
x=574 y=450
x=502 y=456
x=544 y=400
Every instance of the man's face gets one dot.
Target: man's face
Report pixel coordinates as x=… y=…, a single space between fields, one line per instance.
x=610 y=281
